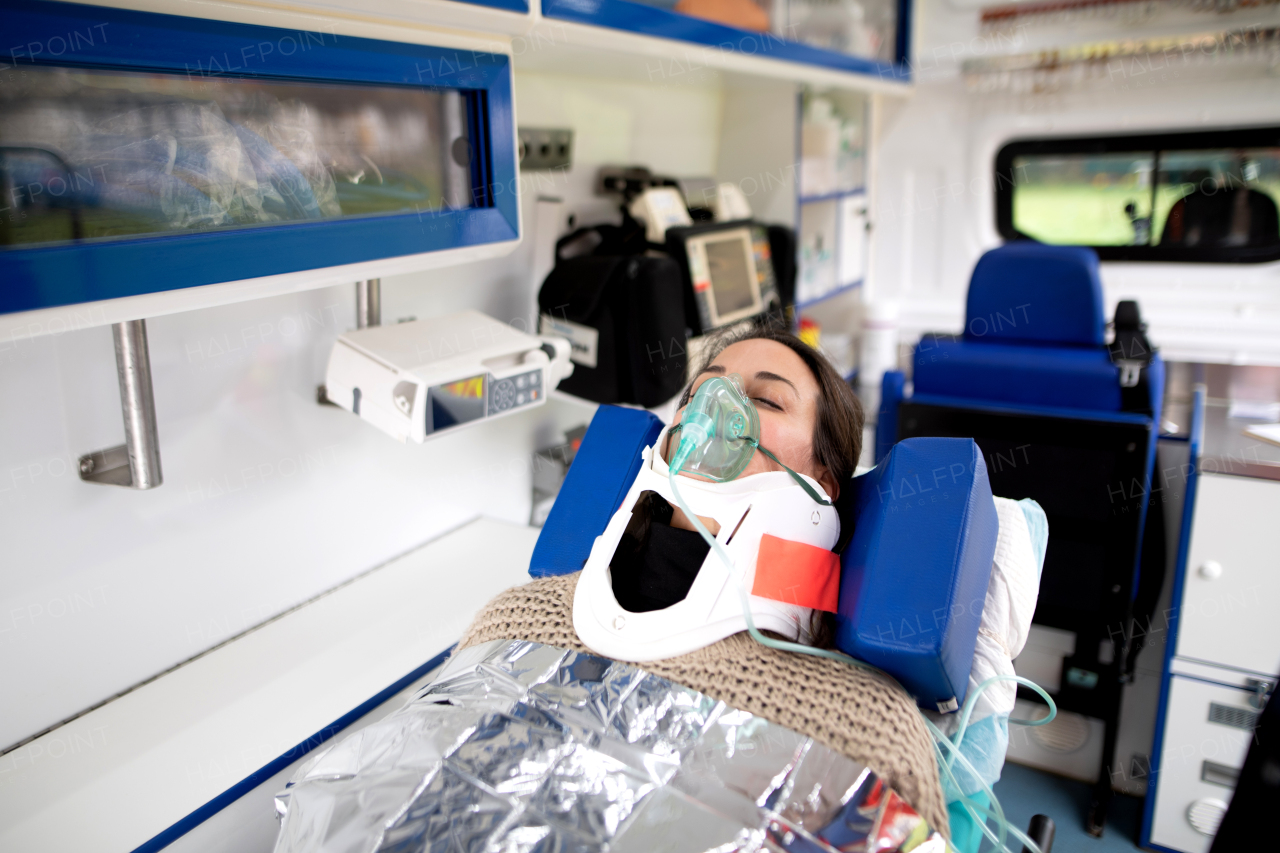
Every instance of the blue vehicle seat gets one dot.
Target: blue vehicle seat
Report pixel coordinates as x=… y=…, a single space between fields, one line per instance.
x=1071 y=421
x=923 y=538
x=1035 y=334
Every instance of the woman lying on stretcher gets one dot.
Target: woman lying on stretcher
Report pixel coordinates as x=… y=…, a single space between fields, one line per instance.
x=764 y=438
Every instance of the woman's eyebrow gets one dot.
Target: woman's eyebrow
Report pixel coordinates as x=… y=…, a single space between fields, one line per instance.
x=715 y=368
x=773 y=377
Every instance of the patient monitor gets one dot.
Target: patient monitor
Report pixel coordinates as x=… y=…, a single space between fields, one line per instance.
x=420 y=379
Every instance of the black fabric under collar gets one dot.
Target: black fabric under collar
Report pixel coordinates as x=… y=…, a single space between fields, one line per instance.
x=656 y=569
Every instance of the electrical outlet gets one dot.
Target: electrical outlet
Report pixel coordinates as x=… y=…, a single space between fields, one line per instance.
x=545 y=148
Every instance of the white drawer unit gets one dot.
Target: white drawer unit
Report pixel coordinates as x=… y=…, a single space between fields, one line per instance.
x=1233 y=575
x=1223 y=653
x=1208 y=729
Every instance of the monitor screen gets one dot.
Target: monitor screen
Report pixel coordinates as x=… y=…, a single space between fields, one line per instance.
x=456 y=403
x=732 y=281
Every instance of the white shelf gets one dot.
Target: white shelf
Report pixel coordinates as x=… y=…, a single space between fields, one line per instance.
x=564 y=47
x=117 y=776
x=830 y=294
x=834 y=195
x=435 y=14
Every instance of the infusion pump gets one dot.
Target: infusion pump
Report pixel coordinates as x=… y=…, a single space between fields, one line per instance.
x=423 y=378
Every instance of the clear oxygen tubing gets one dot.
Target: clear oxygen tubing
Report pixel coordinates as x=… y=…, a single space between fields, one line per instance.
x=688 y=441
x=953 y=746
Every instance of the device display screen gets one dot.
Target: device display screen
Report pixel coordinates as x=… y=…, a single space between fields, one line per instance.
x=731 y=279
x=456 y=402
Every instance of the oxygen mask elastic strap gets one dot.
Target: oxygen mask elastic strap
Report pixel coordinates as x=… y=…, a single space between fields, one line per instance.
x=720 y=432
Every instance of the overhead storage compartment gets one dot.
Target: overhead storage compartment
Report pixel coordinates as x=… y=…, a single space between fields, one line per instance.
x=143 y=153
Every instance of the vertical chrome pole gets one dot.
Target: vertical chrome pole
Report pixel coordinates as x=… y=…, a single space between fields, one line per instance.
x=133 y=366
x=368 y=303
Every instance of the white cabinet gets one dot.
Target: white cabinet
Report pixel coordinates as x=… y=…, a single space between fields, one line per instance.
x=1223 y=654
x=1232 y=578
x=1207 y=732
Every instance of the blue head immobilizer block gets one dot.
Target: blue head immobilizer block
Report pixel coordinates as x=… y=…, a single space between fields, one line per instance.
x=914 y=577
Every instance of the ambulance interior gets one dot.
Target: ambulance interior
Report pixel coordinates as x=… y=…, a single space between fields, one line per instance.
x=329 y=322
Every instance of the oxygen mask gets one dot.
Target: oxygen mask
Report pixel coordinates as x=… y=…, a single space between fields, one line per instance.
x=720 y=432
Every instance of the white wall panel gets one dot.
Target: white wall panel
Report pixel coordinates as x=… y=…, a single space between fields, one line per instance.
x=937 y=159
x=269 y=499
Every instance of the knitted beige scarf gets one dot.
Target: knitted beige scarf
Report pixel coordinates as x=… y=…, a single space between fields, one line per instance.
x=846 y=708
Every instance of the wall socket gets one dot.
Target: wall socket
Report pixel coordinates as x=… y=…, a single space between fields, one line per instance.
x=545 y=148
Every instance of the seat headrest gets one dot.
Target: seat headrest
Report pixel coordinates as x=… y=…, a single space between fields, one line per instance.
x=1033 y=293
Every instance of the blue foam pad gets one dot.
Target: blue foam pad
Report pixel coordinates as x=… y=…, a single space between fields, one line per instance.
x=1031 y=292
x=1063 y=377
x=603 y=469
x=893 y=388
x=914 y=578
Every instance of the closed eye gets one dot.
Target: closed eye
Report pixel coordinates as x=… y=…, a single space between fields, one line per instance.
x=767 y=402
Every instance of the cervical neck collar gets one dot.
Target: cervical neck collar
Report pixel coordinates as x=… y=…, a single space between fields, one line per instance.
x=778 y=538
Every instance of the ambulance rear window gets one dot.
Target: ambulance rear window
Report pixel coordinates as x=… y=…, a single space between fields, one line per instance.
x=1200 y=197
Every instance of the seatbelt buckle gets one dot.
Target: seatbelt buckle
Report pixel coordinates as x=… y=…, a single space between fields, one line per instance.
x=1130 y=372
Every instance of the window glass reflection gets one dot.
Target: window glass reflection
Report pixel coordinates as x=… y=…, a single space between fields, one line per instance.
x=1084 y=199
x=91 y=155
x=1212 y=199
x=1219 y=199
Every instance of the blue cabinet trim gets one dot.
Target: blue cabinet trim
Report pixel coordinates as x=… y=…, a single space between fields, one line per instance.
x=1195 y=438
x=98 y=37
x=521 y=6
x=67 y=275
x=662 y=23
x=280 y=762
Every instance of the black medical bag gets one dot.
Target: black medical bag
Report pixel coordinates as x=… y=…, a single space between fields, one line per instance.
x=624 y=318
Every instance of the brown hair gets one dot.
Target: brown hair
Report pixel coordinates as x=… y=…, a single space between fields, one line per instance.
x=837 y=431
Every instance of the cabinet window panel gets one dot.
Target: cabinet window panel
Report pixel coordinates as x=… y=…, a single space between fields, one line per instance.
x=867 y=29
x=1199 y=196
x=90 y=154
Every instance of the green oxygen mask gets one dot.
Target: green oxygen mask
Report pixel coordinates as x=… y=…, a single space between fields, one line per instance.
x=720 y=432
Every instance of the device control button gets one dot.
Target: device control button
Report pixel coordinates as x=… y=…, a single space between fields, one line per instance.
x=504 y=394
x=520 y=399
x=533 y=395
x=535 y=378
x=520 y=381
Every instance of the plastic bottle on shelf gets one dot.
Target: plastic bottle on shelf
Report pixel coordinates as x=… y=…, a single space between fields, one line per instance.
x=839 y=348
x=819 y=148
x=849 y=157
x=877 y=351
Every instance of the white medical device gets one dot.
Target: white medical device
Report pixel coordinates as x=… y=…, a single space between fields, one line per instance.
x=730 y=203
x=420 y=379
x=660 y=208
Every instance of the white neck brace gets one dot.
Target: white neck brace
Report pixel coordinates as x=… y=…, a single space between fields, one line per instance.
x=746 y=509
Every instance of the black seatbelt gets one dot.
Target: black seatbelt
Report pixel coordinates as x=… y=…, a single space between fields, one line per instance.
x=1132 y=352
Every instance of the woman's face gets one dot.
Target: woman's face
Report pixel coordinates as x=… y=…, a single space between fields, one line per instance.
x=785 y=394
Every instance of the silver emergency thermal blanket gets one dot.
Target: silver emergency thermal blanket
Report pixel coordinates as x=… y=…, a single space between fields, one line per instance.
x=520 y=746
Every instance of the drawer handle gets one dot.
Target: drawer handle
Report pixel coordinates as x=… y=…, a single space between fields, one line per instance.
x=1210 y=570
x=1219 y=774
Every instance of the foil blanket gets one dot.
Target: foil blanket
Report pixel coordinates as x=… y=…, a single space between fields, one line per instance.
x=520 y=746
